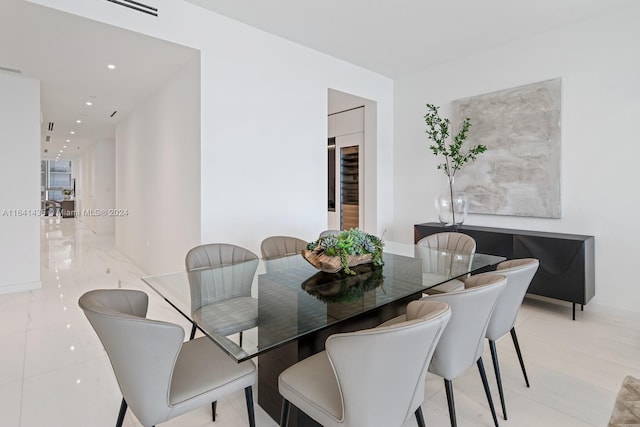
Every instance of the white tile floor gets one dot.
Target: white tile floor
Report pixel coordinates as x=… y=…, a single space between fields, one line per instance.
x=53 y=371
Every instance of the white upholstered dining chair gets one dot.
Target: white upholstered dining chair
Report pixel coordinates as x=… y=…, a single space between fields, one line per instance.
x=519 y=273
x=220 y=295
x=279 y=246
x=159 y=375
x=329 y=233
x=278 y=251
x=458 y=244
x=373 y=377
x=462 y=342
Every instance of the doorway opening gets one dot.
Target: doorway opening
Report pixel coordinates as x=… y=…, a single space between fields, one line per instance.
x=352 y=162
x=345 y=168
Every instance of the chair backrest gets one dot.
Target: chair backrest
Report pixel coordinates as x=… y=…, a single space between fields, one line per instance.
x=381 y=371
x=519 y=273
x=280 y=246
x=330 y=233
x=278 y=253
x=458 y=242
x=442 y=262
x=463 y=341
x=219 y=271
x=217 y=255
x=142 y=352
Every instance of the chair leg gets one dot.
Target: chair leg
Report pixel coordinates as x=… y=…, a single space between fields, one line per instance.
x=213 y=410
x=496 y=368
x=485 y=384
x=514 y=337
x=123 y=410
x=448 y=386
x=248 y=394
x=284 y=415
x=419 y=417
x=193 y=331
x=240 y=338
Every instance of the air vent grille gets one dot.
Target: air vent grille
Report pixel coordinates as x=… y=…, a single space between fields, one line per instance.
x=10 y=70
x=51 y=125
x=114 y=113
x=140 y=7
x=47 y=138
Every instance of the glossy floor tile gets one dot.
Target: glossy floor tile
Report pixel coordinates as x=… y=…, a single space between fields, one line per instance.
x=54 y=372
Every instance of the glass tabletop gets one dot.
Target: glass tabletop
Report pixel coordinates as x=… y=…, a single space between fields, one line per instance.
x=272 y=302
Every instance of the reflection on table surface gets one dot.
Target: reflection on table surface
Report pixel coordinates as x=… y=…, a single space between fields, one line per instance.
x=272 y=302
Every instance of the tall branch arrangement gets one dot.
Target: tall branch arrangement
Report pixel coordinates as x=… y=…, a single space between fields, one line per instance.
x=455 y=158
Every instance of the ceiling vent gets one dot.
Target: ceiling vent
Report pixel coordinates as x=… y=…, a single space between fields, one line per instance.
x=10 y=70
x=140 y=7
x=51 y=124
x=114 y=113
x=47 y=138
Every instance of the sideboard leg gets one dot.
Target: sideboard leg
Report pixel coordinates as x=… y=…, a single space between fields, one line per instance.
x=574 y=311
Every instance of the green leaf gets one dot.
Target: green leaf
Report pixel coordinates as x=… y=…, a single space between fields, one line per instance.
x=438 y=131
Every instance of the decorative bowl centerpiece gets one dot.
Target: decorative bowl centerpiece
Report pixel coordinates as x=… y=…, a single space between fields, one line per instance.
x=332 y=253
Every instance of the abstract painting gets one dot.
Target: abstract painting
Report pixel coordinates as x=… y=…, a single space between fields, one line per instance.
x=519 y=174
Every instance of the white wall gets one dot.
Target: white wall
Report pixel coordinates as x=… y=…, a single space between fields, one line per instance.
x=20 y=201
x=263 y=122
x=599 y=63
x=95 y=187
x=158 y=175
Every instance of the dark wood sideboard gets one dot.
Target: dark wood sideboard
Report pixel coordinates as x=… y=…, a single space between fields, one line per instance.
x=567 y=261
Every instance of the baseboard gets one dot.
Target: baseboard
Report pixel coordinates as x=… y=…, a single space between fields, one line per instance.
x=549 y=300
x=594 y=307
x=11 y=288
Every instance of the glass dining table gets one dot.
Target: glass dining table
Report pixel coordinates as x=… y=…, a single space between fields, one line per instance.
x=283 y=309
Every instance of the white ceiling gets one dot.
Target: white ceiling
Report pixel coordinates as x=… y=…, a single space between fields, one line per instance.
x=69 y=55
x=396 y=38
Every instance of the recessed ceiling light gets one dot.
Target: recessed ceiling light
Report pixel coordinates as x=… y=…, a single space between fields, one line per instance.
x=89 y=103
x=68 y=140
x=61 y=151
x=78 y=121
x=72 y=132
x=111 y=67
x=64 y=146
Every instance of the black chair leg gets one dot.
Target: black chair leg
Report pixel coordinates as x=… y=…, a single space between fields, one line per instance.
x=448 y=386
x=213 y=410
x=248 y=394
x=514 y=337
x=284 y=415
x=240 y=339
x=419 y=417
x=485 y=384
x=496 y=368
x=193 y=332
x=123 y=410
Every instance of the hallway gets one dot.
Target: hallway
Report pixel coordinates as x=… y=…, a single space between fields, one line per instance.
x=53 y=370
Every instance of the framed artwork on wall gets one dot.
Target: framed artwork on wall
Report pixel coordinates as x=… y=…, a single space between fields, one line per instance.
x=519 y=174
